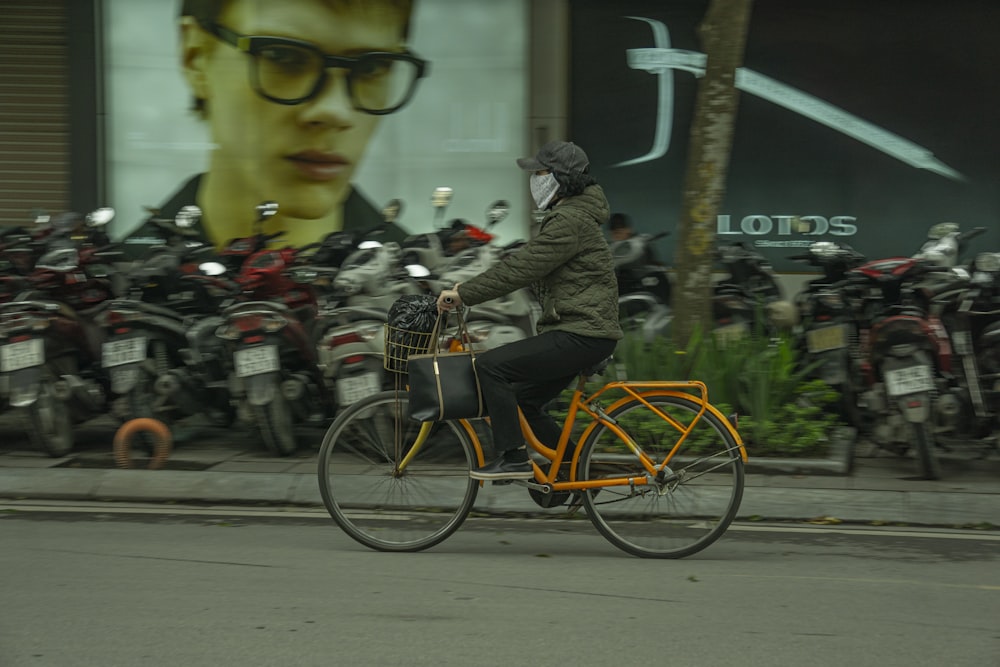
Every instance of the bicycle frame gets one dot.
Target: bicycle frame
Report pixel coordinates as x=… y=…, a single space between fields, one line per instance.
x=598 y=417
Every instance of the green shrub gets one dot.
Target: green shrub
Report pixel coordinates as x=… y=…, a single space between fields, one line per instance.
x=781 y=412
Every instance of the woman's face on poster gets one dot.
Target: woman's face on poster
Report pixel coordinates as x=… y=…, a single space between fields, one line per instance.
x=301 y=155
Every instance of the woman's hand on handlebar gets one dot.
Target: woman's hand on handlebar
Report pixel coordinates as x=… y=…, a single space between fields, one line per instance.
x=449 y=299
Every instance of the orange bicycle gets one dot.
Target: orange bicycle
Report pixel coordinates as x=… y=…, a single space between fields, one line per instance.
x=658 y=470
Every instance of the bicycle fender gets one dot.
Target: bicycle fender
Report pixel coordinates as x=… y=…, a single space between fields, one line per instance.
x=678 y=394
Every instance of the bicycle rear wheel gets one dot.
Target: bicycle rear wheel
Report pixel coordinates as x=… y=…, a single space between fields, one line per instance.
x=378 y=504
x=691 y=507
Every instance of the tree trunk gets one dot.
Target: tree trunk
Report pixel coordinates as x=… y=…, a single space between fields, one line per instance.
x=723 y=34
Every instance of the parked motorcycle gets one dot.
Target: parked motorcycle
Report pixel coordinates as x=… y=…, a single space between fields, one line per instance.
x=274 y=373
x=159 y=361
x=502 y=320
x=435 y=250
x=643 y=287
x=349 y=328
x=965 y=301
x=826 y=333
x=902 y=348
x=748 y=297
x=50 y=348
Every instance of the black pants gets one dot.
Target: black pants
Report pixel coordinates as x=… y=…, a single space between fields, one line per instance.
x=530 y=373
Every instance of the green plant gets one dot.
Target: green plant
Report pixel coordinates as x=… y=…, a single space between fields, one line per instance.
x=799 y=427
x=761 y=378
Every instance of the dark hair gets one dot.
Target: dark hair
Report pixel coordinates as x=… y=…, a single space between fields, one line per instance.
x=619 y=221
x=206 y=12
x=573 y=183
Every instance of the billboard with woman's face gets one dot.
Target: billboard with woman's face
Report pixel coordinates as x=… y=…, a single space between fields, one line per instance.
x=326 y=107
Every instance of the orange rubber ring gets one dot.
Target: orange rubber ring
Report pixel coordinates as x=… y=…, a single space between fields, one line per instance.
x=125 y=433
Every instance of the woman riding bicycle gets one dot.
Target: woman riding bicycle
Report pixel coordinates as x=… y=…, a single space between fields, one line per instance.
x=569 y=266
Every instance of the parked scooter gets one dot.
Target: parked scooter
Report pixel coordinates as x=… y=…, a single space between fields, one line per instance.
x=748 y=297
x=436 y=250
x=49 y=347
x=349 y=327
x=502 y=320
x=643 y=288
x=150 y=333
x=965 y=301
x=902 y=348
x=826 y=334
x=274 y=374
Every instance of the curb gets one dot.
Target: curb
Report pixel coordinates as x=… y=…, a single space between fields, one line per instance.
x=762 y=500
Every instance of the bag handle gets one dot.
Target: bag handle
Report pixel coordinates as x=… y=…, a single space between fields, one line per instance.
x=463 y=332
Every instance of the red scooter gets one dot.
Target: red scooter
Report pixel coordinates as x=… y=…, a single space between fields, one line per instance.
x=274 y=375
x=902 y=356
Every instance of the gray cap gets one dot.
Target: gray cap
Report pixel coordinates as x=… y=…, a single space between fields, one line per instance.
x=562 y=156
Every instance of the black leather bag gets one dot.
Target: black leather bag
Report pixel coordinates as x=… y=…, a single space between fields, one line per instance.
x=444 y=385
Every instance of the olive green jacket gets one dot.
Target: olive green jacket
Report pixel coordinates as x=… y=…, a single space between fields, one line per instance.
x=570 y=266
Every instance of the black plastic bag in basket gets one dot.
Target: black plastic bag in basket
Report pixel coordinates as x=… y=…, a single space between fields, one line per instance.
x=414 y=312
x=411 y=320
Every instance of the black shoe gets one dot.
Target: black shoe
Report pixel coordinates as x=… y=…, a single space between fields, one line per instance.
x=503 y=469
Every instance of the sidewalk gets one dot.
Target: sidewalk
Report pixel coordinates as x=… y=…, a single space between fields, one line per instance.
x=227 y=466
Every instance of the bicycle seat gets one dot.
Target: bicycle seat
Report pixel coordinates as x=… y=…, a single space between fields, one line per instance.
x=598 y=368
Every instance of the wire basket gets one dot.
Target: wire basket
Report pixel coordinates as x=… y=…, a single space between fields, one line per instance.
x=400 y=344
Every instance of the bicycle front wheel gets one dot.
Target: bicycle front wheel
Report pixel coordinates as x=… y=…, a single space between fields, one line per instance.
x=382 y=496
x=689 y=505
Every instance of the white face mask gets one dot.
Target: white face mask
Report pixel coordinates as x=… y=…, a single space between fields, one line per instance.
x=543 y=189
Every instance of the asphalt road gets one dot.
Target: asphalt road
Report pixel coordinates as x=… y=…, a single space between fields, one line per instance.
x=109 y=585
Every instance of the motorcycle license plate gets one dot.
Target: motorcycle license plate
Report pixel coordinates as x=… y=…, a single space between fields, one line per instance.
x=24 y=354
x=909 y=380
x=125 y=351
x=256 y=360
x=353 y=388
x=826 y=338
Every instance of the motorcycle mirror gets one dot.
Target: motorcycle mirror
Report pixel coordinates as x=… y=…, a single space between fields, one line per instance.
x=101 y=216
x=392 y=210
x=497 y=211
x=441 y=197
x=266 y=209
x=942 y=229
x=188 y=217
x=212 y=268
x=824 y=249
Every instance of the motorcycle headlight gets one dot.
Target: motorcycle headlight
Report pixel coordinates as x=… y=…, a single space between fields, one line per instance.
x=347 y=286
x=988 y=261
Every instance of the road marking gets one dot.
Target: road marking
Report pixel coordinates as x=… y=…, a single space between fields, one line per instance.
x=951 y=534
x=296 y=513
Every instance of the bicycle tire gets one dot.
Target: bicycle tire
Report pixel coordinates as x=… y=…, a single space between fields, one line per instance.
x=376 y=506
x=678 y=518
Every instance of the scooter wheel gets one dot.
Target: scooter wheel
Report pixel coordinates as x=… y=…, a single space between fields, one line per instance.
x=162 y=445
